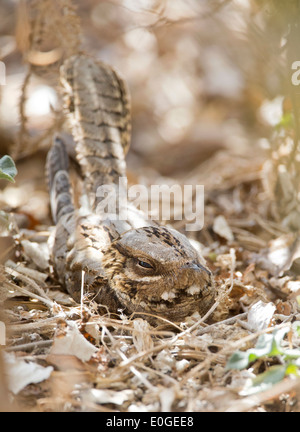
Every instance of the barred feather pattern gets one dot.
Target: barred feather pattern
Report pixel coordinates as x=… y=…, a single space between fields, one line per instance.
x=97 y=105
x=133 y=265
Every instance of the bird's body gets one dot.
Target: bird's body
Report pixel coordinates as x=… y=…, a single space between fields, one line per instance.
x=132 y=265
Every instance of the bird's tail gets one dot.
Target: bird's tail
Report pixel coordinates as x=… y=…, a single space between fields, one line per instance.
x=97 y=105
x=57 y=171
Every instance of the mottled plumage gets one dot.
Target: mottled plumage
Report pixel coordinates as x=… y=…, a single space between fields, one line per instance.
x=133 y=265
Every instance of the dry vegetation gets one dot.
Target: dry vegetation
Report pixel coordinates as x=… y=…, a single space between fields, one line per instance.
x=212 y=104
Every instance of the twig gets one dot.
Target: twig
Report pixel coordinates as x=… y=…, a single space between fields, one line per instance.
x=28 y=293
x=232 y=268
x=28 y=281
x=136 y=372
x=227 y=321
x=247 y=403
x=48 y=322
x=231 y=346
x=81 y=292
x=29 y=346
x=162 y=375
x=23 y=131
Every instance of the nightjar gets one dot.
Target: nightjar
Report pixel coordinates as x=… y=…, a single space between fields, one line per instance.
x=133 y=265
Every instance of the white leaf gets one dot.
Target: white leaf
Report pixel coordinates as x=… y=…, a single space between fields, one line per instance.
x=108 y=396
x=141 y=335
x=73 y=343
x=222 y=228
x=167 y=397
x=260 y=315
x=20 y=373
x=283 y=251
x=37 y=252
x=25 y=270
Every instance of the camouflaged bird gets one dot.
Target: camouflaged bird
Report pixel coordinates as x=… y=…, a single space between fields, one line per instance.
x=132 y=265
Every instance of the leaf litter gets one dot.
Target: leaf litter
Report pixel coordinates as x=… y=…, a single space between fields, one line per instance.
x=244 y=353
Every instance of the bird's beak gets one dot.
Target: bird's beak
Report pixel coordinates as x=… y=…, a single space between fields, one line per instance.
x=196 y=267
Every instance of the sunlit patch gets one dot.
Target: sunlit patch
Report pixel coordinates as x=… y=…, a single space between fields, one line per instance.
x=271 y=111
x=41 y=100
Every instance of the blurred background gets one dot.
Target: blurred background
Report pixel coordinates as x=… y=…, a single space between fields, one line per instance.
x=208 y=84
x=213 y=104
x=197 y=70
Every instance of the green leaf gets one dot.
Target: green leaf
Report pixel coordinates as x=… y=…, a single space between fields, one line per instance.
x=291 y=354
x=278 y=336
x=264 y=345
x=241 y=359
x=8 y=169
x=265 y=380
x=296 y=324
x=213 y=256
x=286 y=121
x=238 y=360
x=268 y=345
x=292 y=369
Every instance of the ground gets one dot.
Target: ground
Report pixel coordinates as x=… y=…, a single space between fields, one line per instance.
x=205 y=112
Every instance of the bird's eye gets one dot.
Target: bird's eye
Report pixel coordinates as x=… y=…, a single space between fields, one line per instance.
x=145 y=264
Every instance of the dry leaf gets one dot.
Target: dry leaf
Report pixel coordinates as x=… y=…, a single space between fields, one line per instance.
x=167 y=397
x=141 y=335
x=37 y=252
x=73 y=343
x=283 y=251
x=108 y=396
x=260 y=315
x=222 y=228
x=31 y=273
x=61 y=297
x=20 y=373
